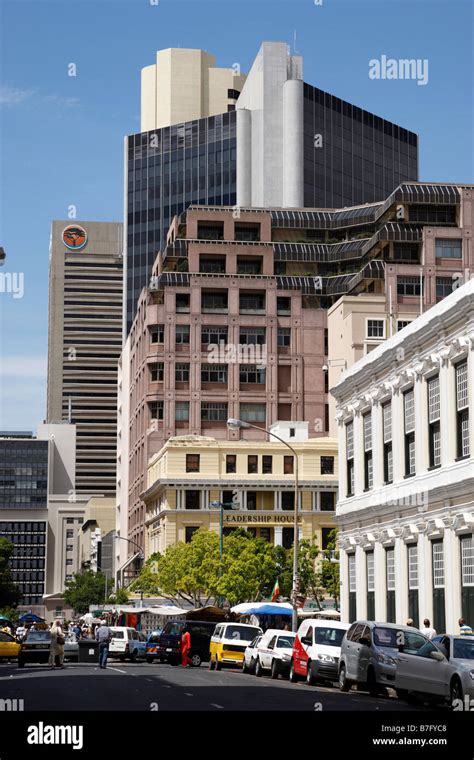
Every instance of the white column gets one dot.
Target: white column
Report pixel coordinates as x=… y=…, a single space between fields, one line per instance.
x=342 y=460
x=380 y=571
x=398 y=447
x=244 y=157
x=452 y=580
x=447 y=393
x=425 y=579
x=278 y=536
x=421 y=426
x=344 y=587
x=293 y=148
x=300 y=534
x=401 y=582
x=361 y=584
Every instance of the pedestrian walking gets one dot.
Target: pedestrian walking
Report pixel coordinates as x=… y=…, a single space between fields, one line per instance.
x=185 y=647
x=410 y=623
x=428 y=631
x=21 y=632
x=56 y=647
x=464 y=628
x=103 y=635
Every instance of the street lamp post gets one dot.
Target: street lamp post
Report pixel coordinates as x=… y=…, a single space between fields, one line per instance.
x=234 y=424
x=221 y=505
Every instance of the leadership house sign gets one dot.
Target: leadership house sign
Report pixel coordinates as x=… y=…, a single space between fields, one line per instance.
x=74 y=237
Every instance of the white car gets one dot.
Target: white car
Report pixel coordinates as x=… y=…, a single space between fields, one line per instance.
x=127 y=643
x=317 y=650
x=273 y=652
x=248 y=665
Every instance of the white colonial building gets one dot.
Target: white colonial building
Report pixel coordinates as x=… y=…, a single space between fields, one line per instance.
x=406 y=490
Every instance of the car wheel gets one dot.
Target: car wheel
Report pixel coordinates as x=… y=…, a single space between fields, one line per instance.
x=244 y=667
x=21 y=664
x=258 y=669
x=293 y=675
x=344 y=684
x=212 y=664
x=218 y=664
x=133 y=656
x=275 y=669
x=310 y=674
x=150 y=660
x=196 y=660
x=456 y=691
x=372 y=687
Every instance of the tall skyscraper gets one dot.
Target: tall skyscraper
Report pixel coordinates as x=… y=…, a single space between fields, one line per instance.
x=287 y=144
x=185 y=84
x=85 y=338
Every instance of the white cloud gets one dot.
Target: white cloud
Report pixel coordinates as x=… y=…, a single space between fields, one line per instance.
x=13 y=96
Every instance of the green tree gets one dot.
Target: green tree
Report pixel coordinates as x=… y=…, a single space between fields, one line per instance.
x=309 y=573
x=85 y=589
x=248 y=569
x=120 y=596
x=190 y=571
x=329 y=575
x=9 y=592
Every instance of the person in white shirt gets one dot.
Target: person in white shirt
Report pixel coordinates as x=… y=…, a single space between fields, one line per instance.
x=427 y=630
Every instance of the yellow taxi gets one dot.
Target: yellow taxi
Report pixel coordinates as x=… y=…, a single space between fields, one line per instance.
x=9 y=647
x=229 y=642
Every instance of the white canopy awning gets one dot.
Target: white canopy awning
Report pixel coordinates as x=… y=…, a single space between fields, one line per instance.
x=242 y=608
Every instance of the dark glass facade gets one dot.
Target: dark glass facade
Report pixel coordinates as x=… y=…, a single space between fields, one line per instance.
x=167 y=170
x=29 y=557
x=362 y=159
x=23 y=474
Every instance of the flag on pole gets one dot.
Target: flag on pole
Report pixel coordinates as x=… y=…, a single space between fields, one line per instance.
x=276 y=591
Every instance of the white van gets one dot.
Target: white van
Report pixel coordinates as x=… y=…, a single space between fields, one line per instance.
x=127 y=643
x=317 y=650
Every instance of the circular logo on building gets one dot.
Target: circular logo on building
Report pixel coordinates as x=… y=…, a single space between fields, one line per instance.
x=74 y=237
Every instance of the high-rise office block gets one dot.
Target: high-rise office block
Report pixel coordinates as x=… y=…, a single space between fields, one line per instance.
x=85 y=338
x=287 y=144
x=185 y=84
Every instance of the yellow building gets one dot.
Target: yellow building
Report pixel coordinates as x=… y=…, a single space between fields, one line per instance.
x=192 y=475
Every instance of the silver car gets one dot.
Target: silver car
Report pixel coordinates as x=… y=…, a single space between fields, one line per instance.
x=250 y=656
x=442 y=669
x=369 y=654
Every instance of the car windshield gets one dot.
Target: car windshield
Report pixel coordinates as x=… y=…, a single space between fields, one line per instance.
x=240 y=632
x=173 y=629
x=330 y=637
x=285 y=642
x=38 y=636
x=154 y=638
x=464 y=649
x=118 y=635
x=388 y=637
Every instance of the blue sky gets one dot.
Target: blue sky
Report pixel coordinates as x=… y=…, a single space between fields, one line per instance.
x=61 y=137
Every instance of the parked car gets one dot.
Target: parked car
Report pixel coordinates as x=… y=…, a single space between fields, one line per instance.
x=127 y=643
x=229 y=642
x=248 y=664
x=370 y=653
x=71 y=647
x=316 y=650
x=169 y=646
x=274 y=652
x=447 y=673
x=9 y=646
x=34 y=648
x=151 y=645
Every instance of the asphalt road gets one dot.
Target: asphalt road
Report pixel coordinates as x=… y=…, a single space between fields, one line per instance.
x=160 y=687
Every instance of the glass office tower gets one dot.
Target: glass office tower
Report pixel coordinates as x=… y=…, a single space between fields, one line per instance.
x=24 y=489
x=167 y=170
x=362 y=157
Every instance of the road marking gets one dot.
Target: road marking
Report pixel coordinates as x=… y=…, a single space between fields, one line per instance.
x=117 y=670
x=187 y=694
x=219 y=707
x=166 y=686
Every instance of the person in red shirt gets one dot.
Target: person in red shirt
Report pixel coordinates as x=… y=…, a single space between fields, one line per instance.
x=185 y=647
